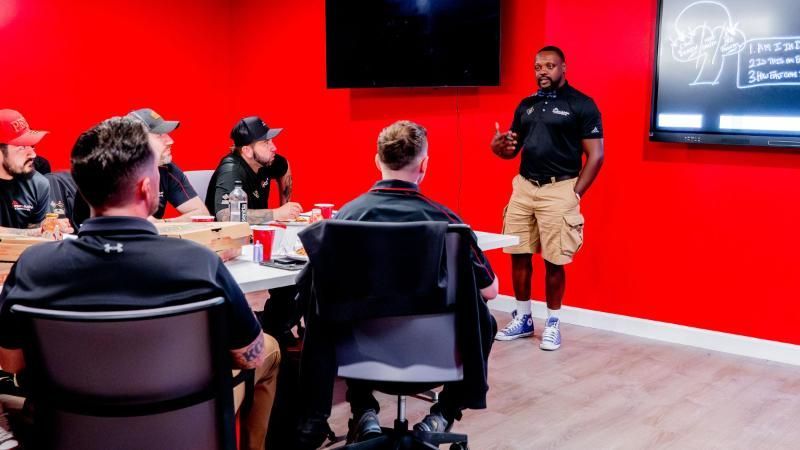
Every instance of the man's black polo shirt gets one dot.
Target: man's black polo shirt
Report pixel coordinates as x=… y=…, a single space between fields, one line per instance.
x=550 y=131
x=24 y=200
x=174 y=188
x=401 y=201
x=234 y=168
x=121 y=263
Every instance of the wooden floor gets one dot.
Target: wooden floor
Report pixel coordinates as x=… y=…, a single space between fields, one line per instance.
x=604 y=390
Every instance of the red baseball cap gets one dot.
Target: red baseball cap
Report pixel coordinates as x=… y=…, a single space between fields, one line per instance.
x=14 y=129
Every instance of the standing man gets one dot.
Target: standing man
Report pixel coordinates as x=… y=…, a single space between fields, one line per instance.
x=174 y=187
x=131 y=266
x=24 y=193
x=553 y=129
x=255 y=163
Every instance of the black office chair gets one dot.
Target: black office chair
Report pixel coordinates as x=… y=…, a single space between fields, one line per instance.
x=391 y=289
x=143 y=379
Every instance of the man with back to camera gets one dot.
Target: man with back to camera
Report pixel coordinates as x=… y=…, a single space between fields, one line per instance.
x=24 y=193
x=402 y=159
x=253 y=161
x=552 y=129
x=115 y=165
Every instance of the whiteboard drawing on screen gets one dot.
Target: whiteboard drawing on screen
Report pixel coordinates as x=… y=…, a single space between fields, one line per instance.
x=706 y=35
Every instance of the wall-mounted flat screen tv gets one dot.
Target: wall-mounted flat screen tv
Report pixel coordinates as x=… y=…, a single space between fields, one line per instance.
x=405 y=43
x=727 y=72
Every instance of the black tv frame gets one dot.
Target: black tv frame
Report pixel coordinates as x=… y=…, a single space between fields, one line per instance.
x=343 y=85
x=707 y=137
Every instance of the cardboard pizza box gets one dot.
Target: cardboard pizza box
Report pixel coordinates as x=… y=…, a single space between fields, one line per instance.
x=11 y=246
x=218 y=236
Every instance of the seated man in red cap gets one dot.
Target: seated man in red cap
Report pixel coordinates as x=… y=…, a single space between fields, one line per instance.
x=24 y=193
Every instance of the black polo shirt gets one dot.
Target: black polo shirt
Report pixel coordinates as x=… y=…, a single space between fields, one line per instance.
x=174 y=188
x=24 y=200
x=234 y=168
x=401 y=201
x=121 y=263
x=550 y=131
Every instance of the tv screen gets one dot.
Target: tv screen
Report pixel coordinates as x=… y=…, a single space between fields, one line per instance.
x=727 y=72
x=403 y=43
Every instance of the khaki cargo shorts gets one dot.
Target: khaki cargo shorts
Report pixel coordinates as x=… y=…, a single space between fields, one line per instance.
x=547 y=219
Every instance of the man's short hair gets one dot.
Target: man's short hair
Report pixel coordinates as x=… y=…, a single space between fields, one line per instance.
x=554 y=49
x=107 y=159
x=401 y=143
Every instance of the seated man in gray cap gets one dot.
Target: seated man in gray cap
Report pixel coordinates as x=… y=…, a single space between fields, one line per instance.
x=174 y=187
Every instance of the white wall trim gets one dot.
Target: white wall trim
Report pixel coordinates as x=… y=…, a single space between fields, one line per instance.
x=667 y=332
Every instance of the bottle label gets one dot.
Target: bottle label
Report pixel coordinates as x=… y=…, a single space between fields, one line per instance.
x=243 y=211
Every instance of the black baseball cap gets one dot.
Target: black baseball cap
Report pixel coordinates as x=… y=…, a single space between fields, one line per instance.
x=252 y=129
x=155 y=123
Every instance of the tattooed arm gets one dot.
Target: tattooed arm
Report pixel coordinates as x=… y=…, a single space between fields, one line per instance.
x=250 y=356
x=285 y=186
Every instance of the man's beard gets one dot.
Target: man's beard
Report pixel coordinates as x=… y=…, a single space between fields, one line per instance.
x=19 y=172
x=265 y=163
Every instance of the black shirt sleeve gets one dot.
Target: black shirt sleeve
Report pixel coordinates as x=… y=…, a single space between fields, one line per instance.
x=516 y=125
x=179 y=190
x=227 y=175
x=243 y=328
x=591 y=125
x=42 y=205
x=278 y=168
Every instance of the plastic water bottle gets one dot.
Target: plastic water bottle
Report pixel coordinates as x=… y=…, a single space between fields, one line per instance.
x=237 y=203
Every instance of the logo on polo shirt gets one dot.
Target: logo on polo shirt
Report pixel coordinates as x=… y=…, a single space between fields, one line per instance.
x=255 y=194
x=20 y=207
x=265 y=183
x=595 y=130
x=560 y=112
x=108 y=248
x=529 y=110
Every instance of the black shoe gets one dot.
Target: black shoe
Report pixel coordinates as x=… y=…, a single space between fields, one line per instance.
x=434 y=422
x=312 y=432
x=367 y=427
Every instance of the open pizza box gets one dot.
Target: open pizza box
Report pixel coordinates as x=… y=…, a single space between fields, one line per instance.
x=11 y=246
x=225 y=238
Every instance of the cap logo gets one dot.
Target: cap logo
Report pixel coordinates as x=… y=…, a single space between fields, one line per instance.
x=19 y=125
x=154 y=115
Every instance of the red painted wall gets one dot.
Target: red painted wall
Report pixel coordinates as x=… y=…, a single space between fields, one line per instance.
x=702 y=237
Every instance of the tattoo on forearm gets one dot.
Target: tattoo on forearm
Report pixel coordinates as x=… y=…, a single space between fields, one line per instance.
x=254 y=351
x=256 y=216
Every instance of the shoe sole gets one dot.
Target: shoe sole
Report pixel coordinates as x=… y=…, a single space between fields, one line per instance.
x=549 y=347
x=511 y=338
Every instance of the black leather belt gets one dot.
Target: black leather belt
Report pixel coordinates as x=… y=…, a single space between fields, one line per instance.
x=547 y=180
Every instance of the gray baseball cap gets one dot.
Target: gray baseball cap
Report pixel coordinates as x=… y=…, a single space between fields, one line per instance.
x=155 y=123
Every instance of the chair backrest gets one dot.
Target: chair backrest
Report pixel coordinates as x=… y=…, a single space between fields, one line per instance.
x=154 y=378
x=414 y=266
x=199 y=180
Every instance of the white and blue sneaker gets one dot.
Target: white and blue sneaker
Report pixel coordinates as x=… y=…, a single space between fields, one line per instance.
x=519 y=327
x=551 y=336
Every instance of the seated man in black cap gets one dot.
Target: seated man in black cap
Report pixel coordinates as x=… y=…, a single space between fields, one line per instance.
x=253 y=161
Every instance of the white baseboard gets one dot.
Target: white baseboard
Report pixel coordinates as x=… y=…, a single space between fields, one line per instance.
x=667 y=332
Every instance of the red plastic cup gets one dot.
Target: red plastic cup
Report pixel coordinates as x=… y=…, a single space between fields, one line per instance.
x=326 y=209
x=266 y=235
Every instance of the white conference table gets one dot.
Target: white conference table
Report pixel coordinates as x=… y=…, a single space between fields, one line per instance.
x=253 y=277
